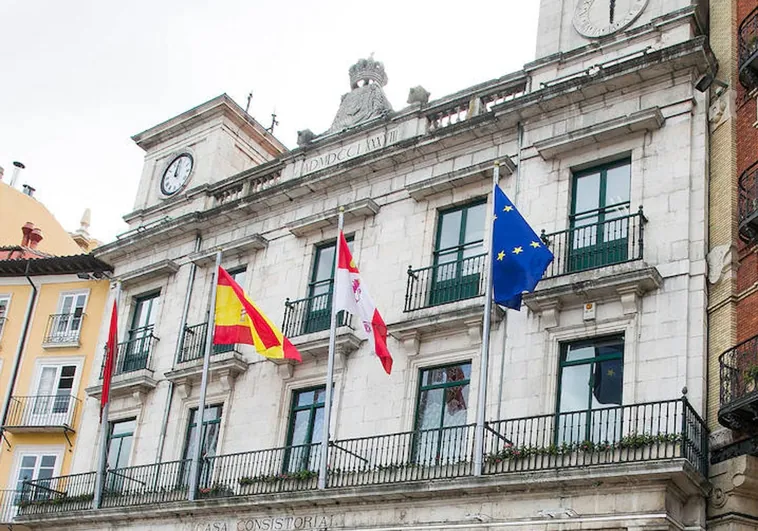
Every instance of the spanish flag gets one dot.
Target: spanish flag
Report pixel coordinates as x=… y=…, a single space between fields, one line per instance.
x=238 y=320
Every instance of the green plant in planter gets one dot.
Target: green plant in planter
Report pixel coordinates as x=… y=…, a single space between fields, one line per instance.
x=752 y=375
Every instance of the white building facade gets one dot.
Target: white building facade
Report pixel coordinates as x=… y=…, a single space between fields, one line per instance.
x=601 y=143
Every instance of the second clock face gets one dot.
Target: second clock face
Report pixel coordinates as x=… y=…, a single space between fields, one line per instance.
x=598 y=18
x=177 y=174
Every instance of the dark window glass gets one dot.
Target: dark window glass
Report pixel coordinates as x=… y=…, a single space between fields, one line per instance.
x=305 y=429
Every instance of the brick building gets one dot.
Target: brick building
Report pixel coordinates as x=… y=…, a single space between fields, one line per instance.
x=733 y=266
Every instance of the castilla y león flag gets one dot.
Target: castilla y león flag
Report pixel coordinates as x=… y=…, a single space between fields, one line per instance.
x=238 y=320
x=351 y=296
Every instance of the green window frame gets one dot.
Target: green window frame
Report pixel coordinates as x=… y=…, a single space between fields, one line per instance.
x=599 y=220
x=144 y=313
x=120 y=441
x=590 y=390
x=442 y=439
x=211 y=431
x=320 y=287
x=306 y=411
x=238 y=275
x=458 y=253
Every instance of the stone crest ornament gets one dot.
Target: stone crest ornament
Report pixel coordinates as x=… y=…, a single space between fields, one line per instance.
x=418 y=95
x=598 y=18
x=305 y=137
x=366 y=100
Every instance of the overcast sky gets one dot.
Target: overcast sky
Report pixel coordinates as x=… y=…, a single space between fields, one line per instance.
x=79 y=77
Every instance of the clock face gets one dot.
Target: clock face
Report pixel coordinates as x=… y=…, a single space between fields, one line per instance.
x=598 y=18
x=177 y=174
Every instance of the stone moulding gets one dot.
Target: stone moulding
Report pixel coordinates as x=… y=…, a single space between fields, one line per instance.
x=641 y=121
x=143 y=274
x=315 y=346
x=136 y=383
x=627 y=282
x=447 y=181
x=462 y=316
x=223 y=367
x=361 y=209
x=242 y=246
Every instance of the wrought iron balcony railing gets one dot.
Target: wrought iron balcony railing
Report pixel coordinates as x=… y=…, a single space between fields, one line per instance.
x=134 y=354
x=748 y=204
x=748 y=51
x=193 y=344
x=592 y=245
x=42 y=411
x=652 y=431
x=738 y=371
x=311 y=314
x=63 y=328
x=445 y=282
x=59 y=494
x=9 y=503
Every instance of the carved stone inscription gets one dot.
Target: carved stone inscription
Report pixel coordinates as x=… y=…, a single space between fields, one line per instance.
x=350 y=151
x=308 y=522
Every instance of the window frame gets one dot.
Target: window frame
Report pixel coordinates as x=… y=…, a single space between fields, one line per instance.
x=421 y=388
x=317 y=318
x=463 y=208
x=294 y=408
x=206 y=422
x=111 y=437
x=4 y=316
x=618 y=339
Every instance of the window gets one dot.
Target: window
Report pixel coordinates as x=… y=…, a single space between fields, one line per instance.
x=38 y=468
x=238 y=274
x=51 y=404
x=5 y=301
x=120 y=439
x=209 y=442
x=317 y=312
x=458 y=254
x=305 y=429
x=591 y=383
x=139 y=337
x=600 y=216
x=67 y=323
x=441 y=411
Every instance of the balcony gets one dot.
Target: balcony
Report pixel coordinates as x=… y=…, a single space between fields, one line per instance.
x=9 y=505
x=225 y=362
x=596 y=245
x=738 y=371
x=445 y=283
x=193 y=344
x=57 y=494
x=608 y=440
x=41 y=413
x=306 y=324
x=748 y=51
x=63 y=330
x=748 y=204
x=132 y=372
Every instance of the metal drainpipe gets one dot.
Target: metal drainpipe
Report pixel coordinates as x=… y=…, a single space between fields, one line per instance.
x=185 y=312
x=21 y=344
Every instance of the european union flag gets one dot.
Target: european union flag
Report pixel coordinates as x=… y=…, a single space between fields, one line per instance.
x=519 y=257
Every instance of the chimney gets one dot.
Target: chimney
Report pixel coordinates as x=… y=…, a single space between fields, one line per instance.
x=28 y=190
x=26 y=231
x=17 y=167
x=35 y=237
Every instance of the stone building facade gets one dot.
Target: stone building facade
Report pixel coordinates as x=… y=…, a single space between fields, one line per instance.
x=602 y=144
x=733 y=321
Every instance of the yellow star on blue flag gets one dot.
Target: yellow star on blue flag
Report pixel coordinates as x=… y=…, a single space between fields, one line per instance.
x=521 y=269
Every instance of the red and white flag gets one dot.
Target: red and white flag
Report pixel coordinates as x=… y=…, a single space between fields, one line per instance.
x=351 y=296
x=110 y=359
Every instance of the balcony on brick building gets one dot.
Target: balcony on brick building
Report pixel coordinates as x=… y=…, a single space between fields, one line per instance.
x=748 y=204
x=748 y=50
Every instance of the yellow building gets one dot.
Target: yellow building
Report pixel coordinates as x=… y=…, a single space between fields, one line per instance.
x=51 y=314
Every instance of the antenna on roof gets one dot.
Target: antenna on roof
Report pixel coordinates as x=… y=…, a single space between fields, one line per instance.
x=249 y=99
x=274 y=122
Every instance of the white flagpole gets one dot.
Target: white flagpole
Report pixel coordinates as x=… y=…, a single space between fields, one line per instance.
x=330 y=363
x=481 y=404
x=102 y=460
x=195 y=467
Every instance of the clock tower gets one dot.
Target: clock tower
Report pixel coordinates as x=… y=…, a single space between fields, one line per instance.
x=582 y=28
